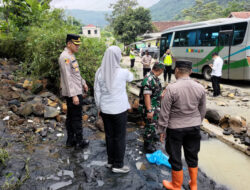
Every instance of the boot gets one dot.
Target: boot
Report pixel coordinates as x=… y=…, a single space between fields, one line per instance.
x=193 y=172
x=149 y=148
x=177 y=180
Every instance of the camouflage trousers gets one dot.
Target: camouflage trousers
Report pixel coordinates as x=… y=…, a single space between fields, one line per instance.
x=150 y=135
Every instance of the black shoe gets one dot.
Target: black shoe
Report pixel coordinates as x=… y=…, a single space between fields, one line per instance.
x=149 y=148
x=83 y=144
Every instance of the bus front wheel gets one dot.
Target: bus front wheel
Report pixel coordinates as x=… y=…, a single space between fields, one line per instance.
x=207 y=73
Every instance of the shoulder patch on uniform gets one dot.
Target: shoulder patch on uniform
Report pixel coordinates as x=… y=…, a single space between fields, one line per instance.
x=67 y=61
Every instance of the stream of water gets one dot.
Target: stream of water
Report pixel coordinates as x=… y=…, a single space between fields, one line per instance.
x=225 y=165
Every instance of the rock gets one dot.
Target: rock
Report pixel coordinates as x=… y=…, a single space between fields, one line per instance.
x=224 y=122
x=247 y=141
x=245 y=100
x=92 y=112
x=221 y=103
x=87 y=101
x=85 y=118
x=236 y=124
x=14 y=102
x=135 y=104
x=58 y=118
x=27 y=84
x=85 y=108
x=26 y=98
x=213 y=116
x=46 y=94
x=50 y=112
x=227 y=131
x=231 y=95
x=26 y=109
x=14 y=108
x=20 y=121
x=99 y=124
x=36 y=88
x=38 y=109
x=52 y=103
x=64 y=108
x=248 y=132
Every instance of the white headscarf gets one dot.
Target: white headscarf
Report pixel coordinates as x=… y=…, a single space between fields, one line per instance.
x=110 y=64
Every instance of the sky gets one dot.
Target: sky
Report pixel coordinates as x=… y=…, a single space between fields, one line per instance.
x=97 y=5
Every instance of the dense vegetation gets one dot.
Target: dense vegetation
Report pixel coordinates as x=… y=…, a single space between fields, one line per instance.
x=169 y=9
x=128 y=22
x=35 y=35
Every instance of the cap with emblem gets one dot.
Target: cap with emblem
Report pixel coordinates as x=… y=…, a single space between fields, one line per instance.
x=76 y=39
x=183 y=64
x=158 y=65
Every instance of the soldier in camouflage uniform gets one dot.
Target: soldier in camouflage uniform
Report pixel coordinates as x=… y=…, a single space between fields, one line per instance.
x=150 y=97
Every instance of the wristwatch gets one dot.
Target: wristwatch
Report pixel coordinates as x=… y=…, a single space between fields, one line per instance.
x=150 y=111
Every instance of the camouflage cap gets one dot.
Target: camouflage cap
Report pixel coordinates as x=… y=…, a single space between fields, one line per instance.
x=159 y=65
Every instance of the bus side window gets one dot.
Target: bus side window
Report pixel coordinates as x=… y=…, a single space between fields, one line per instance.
x=239 y=33
x=209 y=36
x=176 y=39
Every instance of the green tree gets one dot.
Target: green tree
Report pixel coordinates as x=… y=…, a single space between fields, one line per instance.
x=236 y=6
x=131 y=24
x=120 y=8
x=206 y=10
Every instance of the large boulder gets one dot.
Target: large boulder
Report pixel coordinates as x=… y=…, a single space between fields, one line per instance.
x=38 y=109
x=26 y=109
x=50 y=112
x=213 y=116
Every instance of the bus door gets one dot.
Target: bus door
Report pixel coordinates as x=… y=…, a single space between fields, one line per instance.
x=225 y=40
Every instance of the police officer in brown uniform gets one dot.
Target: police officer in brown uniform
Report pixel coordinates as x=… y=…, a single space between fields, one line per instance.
x=72 y=86
x=182 y=110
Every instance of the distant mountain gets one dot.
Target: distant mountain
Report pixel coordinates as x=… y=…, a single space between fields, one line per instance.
x=96 y=18
x=168 y=9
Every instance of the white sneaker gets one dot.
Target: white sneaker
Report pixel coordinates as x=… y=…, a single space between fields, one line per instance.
x=108 y=165
x=124 y=169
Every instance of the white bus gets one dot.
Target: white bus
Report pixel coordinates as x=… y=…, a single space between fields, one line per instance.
x=196 y=42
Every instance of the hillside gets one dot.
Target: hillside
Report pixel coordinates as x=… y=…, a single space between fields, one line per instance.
x=89 y=17
x=168 y=9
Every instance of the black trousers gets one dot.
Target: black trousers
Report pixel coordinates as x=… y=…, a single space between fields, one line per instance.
x=74 y=119
x=189 y=138
x=216 y=85
x=145 y=71
x=115 y=131
x=167 y=71
x=132 y=63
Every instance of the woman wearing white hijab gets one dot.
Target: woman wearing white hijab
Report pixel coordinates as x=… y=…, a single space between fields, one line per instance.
x=112 y=100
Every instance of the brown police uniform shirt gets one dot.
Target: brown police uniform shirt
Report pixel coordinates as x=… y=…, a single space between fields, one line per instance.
x=71 y=80
x=146 y=61
x=184 y=105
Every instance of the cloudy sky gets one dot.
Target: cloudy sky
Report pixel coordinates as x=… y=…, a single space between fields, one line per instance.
x=93 y=4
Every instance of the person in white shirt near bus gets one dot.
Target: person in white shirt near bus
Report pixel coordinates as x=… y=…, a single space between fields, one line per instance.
x=146 y=62
x=112 y=100
x=216 y=73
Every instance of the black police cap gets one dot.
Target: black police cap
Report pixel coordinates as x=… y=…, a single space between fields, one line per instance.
x=183 y=64
x=76 y=39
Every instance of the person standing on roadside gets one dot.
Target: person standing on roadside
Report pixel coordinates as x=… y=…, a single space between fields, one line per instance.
x=132 y=58
x=216 y=73
x=168 y=61
x=183 y=109
x=150 y=98
x=146 y=62
x=112 y=100
x=72 y=87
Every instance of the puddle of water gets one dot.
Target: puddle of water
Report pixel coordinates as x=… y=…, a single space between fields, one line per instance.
x=225 y=165
x=60 y=185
